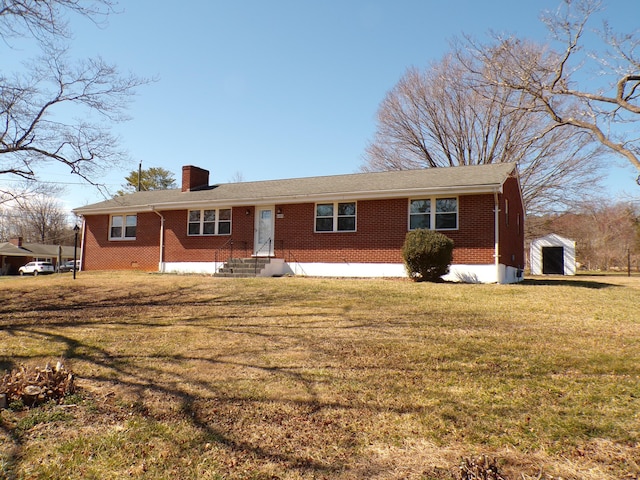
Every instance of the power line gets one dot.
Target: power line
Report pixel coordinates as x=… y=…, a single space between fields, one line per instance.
x=49 y=182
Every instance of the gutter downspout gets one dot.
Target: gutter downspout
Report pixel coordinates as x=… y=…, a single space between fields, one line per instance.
x=161 y=263
x=496 y=214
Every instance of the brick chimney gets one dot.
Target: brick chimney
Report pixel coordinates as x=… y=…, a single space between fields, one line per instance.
x=194 y=178
x=16 y=241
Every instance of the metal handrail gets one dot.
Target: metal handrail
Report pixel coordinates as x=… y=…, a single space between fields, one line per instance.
x=260 y=249
x=292 y=256
x=269 y=255
x=219 y=249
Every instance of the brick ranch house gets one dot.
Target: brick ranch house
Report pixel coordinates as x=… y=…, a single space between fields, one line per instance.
x=16 y=253
x=343 y=225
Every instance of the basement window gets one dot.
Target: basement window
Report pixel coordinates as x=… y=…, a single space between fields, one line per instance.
x=123 y=227
x=336 y=217
x=214 y=221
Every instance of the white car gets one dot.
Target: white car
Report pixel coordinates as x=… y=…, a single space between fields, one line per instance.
x=36 y=268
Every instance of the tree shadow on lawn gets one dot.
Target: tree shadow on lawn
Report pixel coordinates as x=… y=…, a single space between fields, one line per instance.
x=137 y=379
x=6 y=365
x=230 y=418
x=567 y=282
x=66 y=305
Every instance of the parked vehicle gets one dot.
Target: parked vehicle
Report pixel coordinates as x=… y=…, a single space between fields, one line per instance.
x=36 y=268
x=68 y=266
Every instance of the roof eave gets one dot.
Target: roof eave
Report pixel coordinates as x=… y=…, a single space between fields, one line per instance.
x=290 y=199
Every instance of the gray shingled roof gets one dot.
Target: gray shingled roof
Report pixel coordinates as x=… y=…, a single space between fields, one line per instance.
x=452 y=180
x=33 y=250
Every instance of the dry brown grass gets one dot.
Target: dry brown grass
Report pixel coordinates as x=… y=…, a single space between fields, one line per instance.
x=297 y=378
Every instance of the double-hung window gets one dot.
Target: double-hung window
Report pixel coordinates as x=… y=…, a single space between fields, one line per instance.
x=123 y=227
x=446 y=213
x=444 y=216
x=420 y=214
x=336 y=217
x=215 y=221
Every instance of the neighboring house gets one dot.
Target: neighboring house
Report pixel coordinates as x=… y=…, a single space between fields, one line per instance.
x=15 y=253
x=553 y=255
x=343 y=225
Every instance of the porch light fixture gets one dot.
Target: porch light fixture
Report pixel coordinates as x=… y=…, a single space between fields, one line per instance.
x=247 y=212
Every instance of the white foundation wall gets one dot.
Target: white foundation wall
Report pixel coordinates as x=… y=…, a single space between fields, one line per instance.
x=347 y=269
x=457 y=273
x=208 y=268
x=510 y=274
x=472 y=274
x=484 y=274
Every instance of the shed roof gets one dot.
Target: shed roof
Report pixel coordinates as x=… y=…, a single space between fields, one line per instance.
x=553 y=239
x=451 y=180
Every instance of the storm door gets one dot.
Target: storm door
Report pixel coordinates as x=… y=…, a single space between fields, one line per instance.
x=263 y=242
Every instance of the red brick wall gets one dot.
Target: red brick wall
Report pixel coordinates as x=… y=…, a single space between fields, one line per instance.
x=179 y=247
x=381 y=229
x=474 y=240
x=512 y=225
x=100 y=253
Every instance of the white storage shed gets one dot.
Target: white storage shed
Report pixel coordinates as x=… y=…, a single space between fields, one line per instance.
x=553 y=255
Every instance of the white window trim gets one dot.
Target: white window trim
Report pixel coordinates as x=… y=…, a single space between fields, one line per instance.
x=433 y=213
x=335 y=217
x=124 y=216
x=216 y=227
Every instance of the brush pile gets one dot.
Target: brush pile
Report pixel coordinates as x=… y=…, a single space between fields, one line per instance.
x=33 y=385
x=482 y=468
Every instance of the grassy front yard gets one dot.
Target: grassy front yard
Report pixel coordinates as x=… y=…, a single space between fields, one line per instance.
x=295 y=378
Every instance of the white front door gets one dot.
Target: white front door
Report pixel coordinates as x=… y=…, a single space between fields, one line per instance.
x=263 y=242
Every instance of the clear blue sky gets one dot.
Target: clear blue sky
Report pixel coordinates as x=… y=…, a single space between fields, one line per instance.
x=282 y=88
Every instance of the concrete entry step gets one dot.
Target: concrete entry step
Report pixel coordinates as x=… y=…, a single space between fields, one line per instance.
x=243 y=267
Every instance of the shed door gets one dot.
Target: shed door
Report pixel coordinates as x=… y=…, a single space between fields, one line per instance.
x=553 y=260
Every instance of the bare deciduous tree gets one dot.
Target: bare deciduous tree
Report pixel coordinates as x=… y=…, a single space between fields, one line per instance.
x=443 y=117
x=5 y=224
x=33 y=213
x=40 y=106
x=41 y=219
x=43 y=19
x=596 y=91
x=26 y=189
x=237 y=177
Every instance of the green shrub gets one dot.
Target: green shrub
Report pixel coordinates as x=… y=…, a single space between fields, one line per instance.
x=427 y=255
